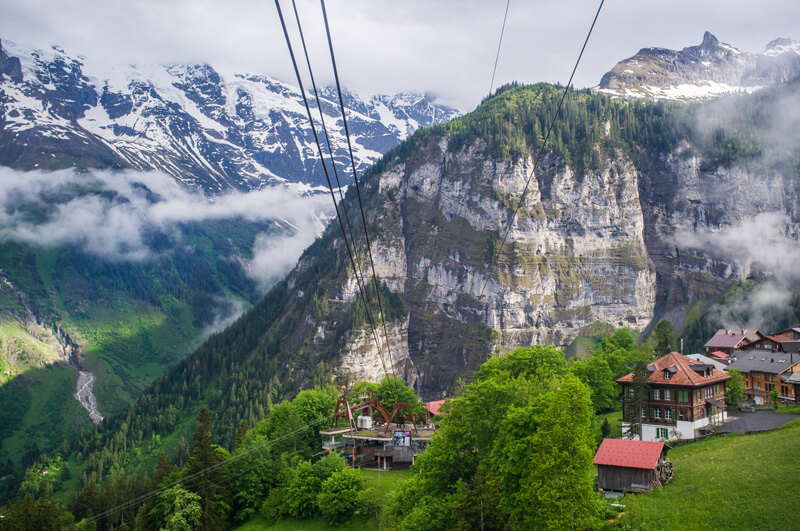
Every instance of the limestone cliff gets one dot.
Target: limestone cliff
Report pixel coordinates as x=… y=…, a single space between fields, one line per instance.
x=600 y=241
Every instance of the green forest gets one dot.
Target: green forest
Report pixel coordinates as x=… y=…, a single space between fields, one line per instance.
x=504 y=442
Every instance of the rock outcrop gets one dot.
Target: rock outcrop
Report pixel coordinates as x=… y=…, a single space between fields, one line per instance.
x=710 y=69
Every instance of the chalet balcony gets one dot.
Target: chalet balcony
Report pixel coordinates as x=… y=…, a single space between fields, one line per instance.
x=661 y=422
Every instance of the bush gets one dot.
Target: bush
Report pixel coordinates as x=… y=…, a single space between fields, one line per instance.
x=340 y=495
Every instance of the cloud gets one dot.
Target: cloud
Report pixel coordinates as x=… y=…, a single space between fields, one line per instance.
x=226 y=312
x=759 y=309
x=110 y=214
x=445 y=47
x=763 y=242
x=768 y=118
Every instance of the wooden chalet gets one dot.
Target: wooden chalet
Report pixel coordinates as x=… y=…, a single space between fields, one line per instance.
x=793 y=333
x=684 y=396
x=632 y=466
x=765 y=370
x=772 y=343
x=728 y=340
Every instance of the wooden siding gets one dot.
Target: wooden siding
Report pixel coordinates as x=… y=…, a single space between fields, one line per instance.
x=624 y=479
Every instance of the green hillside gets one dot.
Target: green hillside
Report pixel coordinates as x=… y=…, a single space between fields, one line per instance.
x=131 y=320
x=731 y=482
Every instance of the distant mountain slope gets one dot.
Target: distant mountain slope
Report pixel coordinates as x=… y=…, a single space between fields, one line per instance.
x=710 y=69
x=207 y=131
x=84 y=260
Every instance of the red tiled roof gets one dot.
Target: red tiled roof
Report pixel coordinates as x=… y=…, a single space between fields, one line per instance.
x=719 y=354
x=778 y=338
x=434 y=406
x=683 y=375
x=630 y=454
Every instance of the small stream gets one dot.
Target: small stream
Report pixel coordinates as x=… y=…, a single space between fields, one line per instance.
x=86 y=397
x=70 y=350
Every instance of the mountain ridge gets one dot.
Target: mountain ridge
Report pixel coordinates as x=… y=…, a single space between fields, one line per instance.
x=207 y=131
x=707 y=70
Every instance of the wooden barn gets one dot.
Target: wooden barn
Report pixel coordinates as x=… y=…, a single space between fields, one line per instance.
x=632 y=466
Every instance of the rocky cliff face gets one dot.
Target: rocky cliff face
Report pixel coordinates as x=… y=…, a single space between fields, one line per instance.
x=709 y=69
x=575 y=255
x=639 y=235
x=709 y=225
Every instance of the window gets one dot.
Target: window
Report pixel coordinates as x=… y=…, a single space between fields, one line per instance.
x=785 y=390
x=699 y=395
x=656 y=394
x=662 y=433
x=709 y=391
x=667 y=394
x=667 y=374
x=683 y=396
x=658 y=413
x=669 y=414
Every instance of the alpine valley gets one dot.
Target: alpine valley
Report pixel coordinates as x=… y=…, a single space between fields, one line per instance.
x=142 y=210
x=643 y=206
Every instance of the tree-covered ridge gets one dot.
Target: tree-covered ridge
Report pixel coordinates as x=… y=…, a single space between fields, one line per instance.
x=514 y=121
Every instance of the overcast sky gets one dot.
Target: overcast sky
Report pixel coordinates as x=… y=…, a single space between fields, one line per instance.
x=444 y=47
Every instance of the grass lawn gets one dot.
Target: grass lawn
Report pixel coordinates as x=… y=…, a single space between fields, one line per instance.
x=730 y=482
x=317 y=524
x=614 y=418
x=389 y=481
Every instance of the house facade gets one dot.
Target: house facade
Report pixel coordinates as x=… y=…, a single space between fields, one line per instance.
x=684 y=396
x=765 y=370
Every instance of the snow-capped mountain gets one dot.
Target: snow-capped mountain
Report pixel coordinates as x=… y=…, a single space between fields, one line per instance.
x=710 y=69
x=206 y=130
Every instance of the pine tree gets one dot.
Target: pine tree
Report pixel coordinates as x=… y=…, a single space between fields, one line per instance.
x=635 y=401
x=241 y=431
x=605 y=429
x=206 y=478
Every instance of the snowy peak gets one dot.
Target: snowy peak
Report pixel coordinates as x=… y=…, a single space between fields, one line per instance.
x=206 y=130
x=10 y=66
x=782 y=46
x=710 y=69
